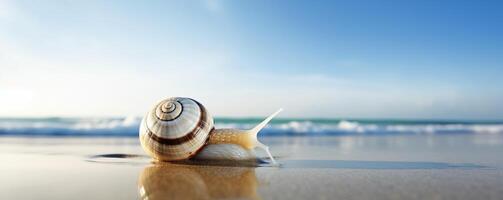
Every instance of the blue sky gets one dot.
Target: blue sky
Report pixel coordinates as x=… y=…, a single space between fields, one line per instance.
x=354 y=59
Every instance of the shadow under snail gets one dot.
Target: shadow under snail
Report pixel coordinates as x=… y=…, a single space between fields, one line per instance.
x=180 y=128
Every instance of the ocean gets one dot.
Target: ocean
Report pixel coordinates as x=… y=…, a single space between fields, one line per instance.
x=101 y=158
x=128 y=126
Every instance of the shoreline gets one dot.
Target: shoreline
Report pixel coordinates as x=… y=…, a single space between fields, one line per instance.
x=312 y=168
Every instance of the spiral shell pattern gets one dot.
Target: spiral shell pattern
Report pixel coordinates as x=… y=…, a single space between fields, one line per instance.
x=175 y=129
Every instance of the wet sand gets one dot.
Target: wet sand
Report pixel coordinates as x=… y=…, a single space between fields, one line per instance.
x=381 y=167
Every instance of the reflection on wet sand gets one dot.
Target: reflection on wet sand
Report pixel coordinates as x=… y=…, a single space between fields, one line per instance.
x=173 y=181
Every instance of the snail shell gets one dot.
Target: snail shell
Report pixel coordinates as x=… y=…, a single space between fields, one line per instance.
x=175 y=129
x=179 y=128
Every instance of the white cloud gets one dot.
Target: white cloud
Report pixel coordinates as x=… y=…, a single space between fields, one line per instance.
x=88 y=80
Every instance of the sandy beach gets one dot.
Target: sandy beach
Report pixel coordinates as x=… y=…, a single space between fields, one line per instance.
x=391 y=167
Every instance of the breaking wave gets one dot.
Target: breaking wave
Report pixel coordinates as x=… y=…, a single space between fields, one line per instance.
x=128 y=126
x=351 y=127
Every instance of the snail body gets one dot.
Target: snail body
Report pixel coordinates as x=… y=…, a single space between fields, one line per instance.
x=225 y=152
x=180 y=128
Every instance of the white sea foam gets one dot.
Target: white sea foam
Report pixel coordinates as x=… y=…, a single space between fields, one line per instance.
x=351 y=127
x=84 y=126
x=128 y=126
x=107 y=124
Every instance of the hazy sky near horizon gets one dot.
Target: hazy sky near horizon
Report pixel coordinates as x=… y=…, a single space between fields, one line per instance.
x=354 y=59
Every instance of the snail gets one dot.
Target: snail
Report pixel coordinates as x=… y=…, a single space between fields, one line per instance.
x=180 y=128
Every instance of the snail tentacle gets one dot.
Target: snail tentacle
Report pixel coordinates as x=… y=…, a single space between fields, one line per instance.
x=246 y=138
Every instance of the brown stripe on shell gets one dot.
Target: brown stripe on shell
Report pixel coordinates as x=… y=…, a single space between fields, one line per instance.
x=192 y=154
x=185 y=138
x=181 y=111
x=169 y=109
